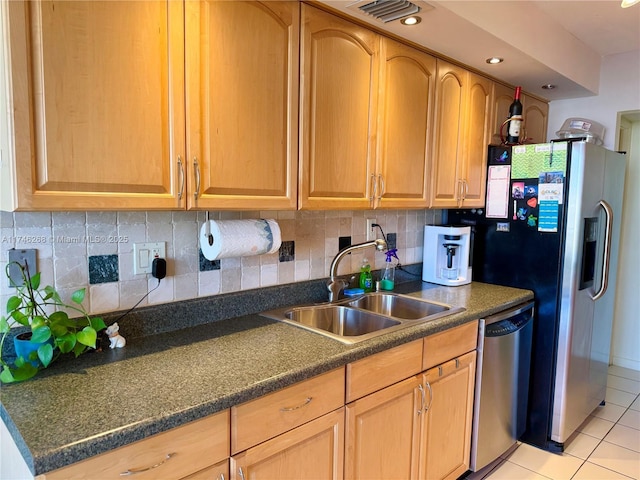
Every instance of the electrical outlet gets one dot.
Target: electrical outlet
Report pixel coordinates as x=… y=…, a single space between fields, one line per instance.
x=372 y=234
x=26 y=257
x=144 y=253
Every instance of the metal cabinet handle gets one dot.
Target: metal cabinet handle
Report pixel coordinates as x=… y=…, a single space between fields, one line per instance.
x=381 y=180
x=134 y=471
x=196 y=169
x=221 y=476
x=465 y=190
x=181 y=171
x=608 y=211
x=291 y=409
x=428 y=385
x=423 y=400
x=373 y=184
x=241 y=473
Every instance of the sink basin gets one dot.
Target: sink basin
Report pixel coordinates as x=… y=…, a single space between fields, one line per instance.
x=353 y=320
x=340 y=320
x=398 y=306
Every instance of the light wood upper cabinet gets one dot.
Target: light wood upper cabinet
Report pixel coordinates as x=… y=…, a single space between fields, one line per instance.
x=477 y=135
x=502 y=99
x=106 y=116
x=98 y=104
x=462 y=132
x=535 y=114
x=242 y=104
x=366 y=107
x=407 y=84
x=338 y=102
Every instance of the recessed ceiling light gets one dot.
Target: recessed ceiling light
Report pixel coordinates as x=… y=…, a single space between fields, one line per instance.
x=548 y=86
x=413 y=20
x=628 y=3
x=494 y=60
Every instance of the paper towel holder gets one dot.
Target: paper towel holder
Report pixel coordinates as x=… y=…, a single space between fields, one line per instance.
x=208 y=229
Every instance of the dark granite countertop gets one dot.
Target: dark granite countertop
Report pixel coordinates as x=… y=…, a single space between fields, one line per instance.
x=114 y=397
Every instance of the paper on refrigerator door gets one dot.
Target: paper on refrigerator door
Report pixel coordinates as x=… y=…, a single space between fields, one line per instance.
x=498 y=178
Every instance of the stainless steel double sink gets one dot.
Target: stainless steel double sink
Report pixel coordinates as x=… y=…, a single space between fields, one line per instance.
x=353 y=320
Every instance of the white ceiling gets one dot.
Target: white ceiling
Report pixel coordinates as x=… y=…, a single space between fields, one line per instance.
x=542 y=42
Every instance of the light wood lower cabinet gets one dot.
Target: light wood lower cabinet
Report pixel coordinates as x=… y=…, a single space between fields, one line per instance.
x=315 y=450
x=219 y=471
x=420 y=427
x=446 y=438
x=383 y=433
x=173 y=454
x=408 y=415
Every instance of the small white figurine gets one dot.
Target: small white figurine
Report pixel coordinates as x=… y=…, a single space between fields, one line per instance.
x=117 y=340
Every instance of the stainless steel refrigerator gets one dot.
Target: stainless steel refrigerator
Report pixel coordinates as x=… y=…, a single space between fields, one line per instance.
x=551 y=224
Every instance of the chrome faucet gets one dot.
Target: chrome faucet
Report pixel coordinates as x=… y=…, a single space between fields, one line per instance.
x=336 y=285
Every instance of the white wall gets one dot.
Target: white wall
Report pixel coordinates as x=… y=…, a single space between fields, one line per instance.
x=626 y=321
x=619 y=92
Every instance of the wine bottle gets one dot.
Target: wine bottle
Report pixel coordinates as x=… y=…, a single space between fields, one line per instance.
x=515 y=119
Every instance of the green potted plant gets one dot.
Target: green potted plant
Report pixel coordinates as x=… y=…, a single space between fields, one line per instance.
x=51 y=328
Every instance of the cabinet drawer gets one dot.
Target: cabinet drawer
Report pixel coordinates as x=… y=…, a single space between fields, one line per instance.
x=169 y=455
x=443 y=346
x=383 y=369
x=265 y=417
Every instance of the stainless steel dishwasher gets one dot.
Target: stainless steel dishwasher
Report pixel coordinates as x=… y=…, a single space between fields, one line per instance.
x=502 y=383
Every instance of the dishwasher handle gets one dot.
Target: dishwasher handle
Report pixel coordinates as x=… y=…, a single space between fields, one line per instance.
x=507 y=322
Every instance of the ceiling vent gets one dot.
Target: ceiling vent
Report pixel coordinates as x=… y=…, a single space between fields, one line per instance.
x=387 y=10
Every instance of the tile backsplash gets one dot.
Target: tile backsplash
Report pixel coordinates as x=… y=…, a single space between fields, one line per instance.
x=95 y=250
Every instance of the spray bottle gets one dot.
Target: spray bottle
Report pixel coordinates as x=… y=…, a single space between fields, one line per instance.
x=389 y=274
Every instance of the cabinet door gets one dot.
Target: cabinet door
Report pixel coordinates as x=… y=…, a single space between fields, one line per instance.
x=338 y=102
x=98 y=97
x=535 y=115
x=477 y=134
x=407 y=91
x=242 y=92
x=448 y=135
x=447 y=434
x=312 y=451
x=219 y=471
x=502 y=99
x=383 y=433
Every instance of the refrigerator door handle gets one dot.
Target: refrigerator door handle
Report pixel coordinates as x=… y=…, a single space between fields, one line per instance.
x=608 y=211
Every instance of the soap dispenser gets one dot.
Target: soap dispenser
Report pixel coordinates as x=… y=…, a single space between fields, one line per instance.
x=366 y=279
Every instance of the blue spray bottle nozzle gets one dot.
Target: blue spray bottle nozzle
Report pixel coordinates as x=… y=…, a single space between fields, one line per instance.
x=392 y=253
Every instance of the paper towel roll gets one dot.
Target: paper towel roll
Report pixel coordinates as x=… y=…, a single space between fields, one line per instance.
x=239 y=238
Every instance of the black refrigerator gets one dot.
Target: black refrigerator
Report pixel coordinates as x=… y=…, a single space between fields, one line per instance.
x=551 y=224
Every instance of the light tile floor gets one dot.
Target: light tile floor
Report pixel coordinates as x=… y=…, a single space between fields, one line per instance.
x=606 y=446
